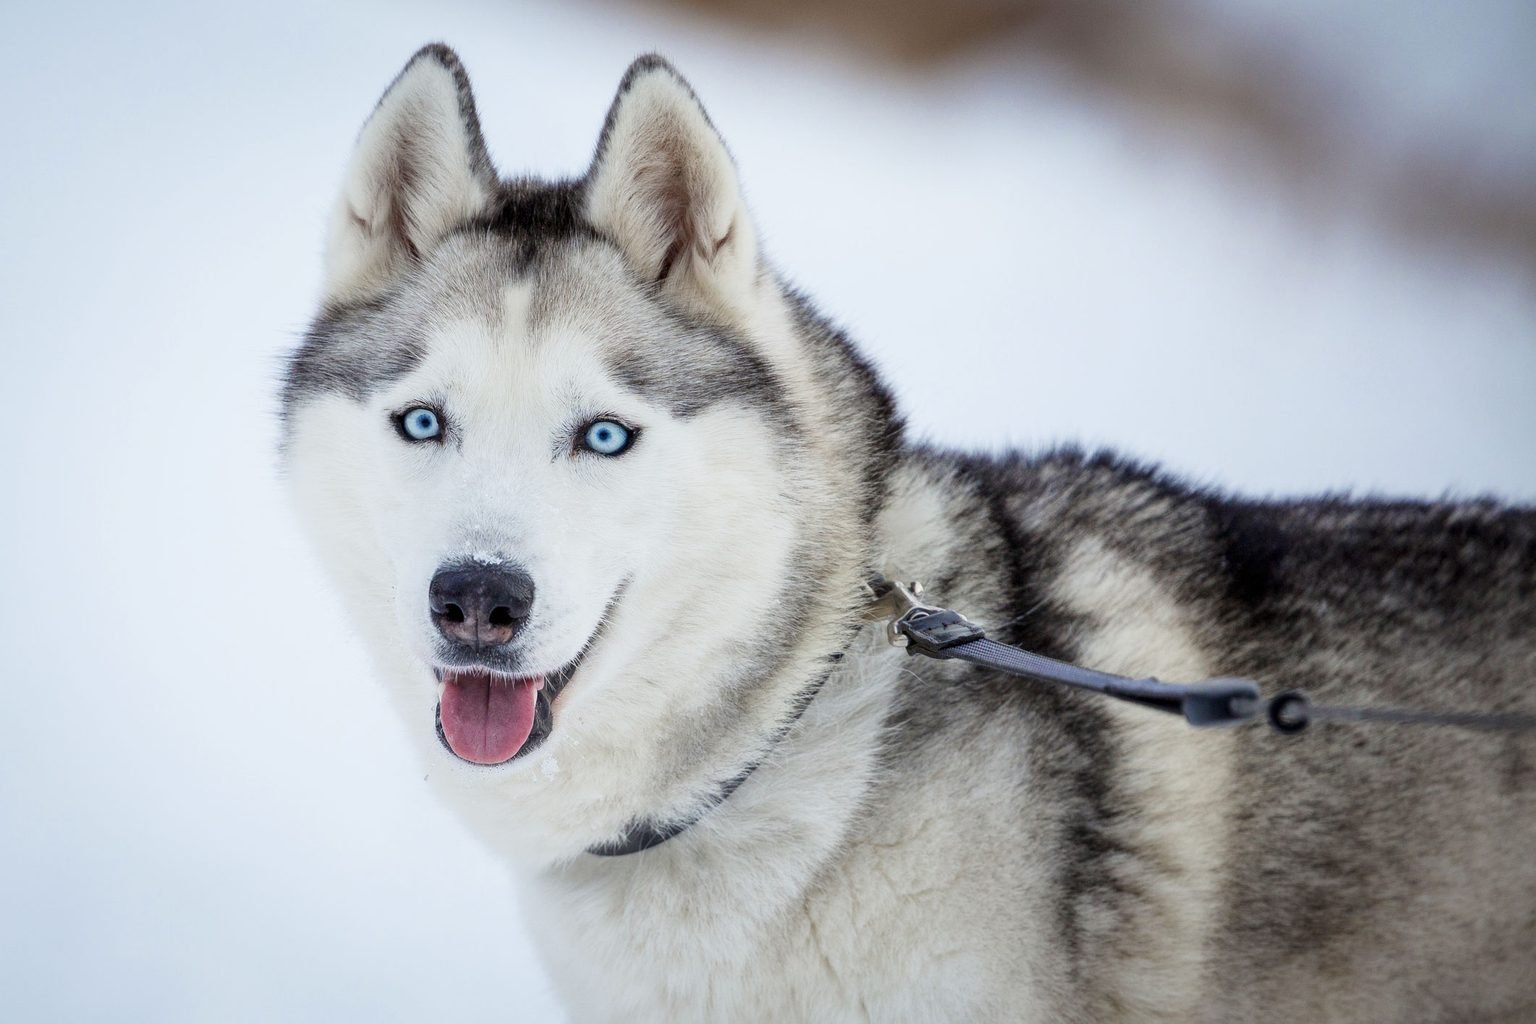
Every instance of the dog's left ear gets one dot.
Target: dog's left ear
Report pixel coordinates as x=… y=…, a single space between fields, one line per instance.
x=664 y=188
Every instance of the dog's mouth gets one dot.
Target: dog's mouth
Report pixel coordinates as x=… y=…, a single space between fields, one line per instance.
x=487 y=717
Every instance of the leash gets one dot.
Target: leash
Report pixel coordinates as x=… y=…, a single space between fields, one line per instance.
x=944 y=634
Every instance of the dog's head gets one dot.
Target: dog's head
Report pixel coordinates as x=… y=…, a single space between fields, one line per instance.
x=595 y=485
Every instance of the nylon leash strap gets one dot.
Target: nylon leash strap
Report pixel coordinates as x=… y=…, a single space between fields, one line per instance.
x=945 y=634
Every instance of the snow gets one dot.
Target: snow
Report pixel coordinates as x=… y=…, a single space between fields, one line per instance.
x=208 y=812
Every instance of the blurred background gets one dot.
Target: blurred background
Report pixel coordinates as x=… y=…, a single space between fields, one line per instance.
x=1278 y=247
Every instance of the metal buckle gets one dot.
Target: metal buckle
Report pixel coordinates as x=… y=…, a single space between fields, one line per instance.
x=895 y=602
x=910 y=621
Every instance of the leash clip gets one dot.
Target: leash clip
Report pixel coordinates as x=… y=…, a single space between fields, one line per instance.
x=913 y=625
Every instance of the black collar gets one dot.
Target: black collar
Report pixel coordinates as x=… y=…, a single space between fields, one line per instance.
x=642 y=834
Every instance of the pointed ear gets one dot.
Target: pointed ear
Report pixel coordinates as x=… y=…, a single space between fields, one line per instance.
x=420 y=169
x=664 y=188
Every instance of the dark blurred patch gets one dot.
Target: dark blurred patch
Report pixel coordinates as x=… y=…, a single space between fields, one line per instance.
x=1215 y=78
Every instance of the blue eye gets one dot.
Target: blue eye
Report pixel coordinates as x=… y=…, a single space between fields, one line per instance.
x=607 y=437
x=420 y=424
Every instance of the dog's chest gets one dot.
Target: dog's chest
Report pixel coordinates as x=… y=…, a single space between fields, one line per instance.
x=899 y=926
x=713 y=954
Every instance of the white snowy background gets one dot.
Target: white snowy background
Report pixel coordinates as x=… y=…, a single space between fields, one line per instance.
x=206 y=810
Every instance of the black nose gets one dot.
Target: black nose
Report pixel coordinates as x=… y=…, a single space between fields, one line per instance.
x=480 y=606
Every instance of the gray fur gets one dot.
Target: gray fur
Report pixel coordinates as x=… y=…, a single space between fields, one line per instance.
x=1344 y=837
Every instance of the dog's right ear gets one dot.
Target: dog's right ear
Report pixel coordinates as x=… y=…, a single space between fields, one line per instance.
x=419 y=170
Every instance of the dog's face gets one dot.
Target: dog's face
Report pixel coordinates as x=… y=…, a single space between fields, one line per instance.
x=537 y=444
x=534 y=469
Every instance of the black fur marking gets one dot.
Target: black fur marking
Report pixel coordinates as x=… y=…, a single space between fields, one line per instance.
x=697 y=367
x=531 y=217
x=352 y=350
x=1254 y=547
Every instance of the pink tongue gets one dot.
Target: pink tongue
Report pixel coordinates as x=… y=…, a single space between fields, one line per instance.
x=486 y=718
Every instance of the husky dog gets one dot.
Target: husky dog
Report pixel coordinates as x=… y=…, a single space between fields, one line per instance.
x=604 y=494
